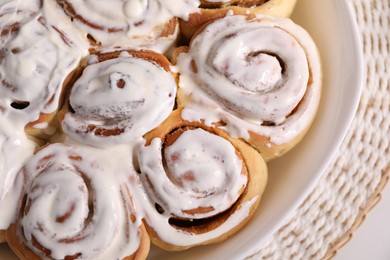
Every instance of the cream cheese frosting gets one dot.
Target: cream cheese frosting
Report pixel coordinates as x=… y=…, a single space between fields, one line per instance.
x=259 y=74
x=126 y=95
x=15 y=149
x=37 y=56
x=113 y=23
x=78 y=204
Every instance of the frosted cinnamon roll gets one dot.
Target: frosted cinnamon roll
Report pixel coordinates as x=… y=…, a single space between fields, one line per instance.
x=215 y=9
x=119 y=97
x=260 y=75
x=38 y=51
x=150 y=24
x=201 y=185
x=75 y=205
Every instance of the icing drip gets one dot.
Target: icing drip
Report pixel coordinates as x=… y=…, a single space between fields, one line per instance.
x=127 y=97
x=15 y=149
x=258 y=71
x=78 y=205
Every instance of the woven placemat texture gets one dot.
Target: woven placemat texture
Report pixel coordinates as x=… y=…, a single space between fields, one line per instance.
x=354 y=180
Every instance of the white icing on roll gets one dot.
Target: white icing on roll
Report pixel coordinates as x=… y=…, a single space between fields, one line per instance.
x=123 y=98
x=199 y=167
x=261 y=74
x=36 y=58
x=13 y=14
x=196 y=177
x=15 y=149
x=113 y=23
x=174 y=236
x=78 y=204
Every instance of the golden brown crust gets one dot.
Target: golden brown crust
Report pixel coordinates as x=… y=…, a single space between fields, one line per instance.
x=19 y=248
x=142 y=54
x=269 y=150
x=282 y=8
x=257 y=179
x=169 y=27
x=144 y=247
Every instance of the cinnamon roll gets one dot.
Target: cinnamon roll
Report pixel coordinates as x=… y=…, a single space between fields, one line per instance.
x=150 y=24
x=215 y=9
x=201 y=185
x=37 y=53
x=119 y=97
x=75 y=205
x=260 y=75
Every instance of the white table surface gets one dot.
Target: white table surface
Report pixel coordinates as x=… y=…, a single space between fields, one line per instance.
x=371 y=241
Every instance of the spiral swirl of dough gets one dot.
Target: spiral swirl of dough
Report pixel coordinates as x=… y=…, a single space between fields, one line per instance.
x=200 y=185
x=259 y=74
x=119 y=99
x=74 y=207
x=191 y=182
x=255 y=70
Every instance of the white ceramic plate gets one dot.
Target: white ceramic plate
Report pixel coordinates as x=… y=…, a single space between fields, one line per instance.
x=332 y=25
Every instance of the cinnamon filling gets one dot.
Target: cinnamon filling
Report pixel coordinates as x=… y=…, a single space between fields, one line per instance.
x=98 y=131
x=68 y=213
x=41 y=248
x=240 y=3
x=66 y=40
x=71 y=12
x=13 y=28
x=200 y=226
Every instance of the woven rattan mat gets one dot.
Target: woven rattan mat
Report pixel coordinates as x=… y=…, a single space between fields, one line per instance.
x=353 y=183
